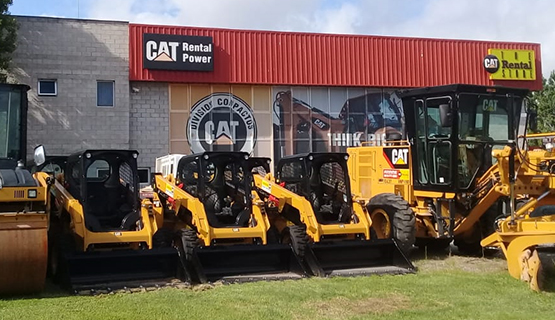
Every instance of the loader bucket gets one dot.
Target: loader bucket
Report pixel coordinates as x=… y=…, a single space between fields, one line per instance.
x=23 y=253
x=106 y=268
x=244 y=263
x=357 y=257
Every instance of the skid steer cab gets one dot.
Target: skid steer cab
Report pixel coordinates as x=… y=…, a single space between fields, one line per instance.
x=100 y=232
x=329 y=230
x=225 y=235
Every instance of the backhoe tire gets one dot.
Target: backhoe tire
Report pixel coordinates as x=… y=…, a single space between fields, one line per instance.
x=392 y=217
x=297 y=237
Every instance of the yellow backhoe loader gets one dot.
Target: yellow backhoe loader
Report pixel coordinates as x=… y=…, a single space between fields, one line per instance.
x=225 y=234
x=102 y=235
x=24 y=202
x=329 y=230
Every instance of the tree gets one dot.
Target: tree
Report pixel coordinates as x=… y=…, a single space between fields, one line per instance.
x=544 y=103
x=8 y=36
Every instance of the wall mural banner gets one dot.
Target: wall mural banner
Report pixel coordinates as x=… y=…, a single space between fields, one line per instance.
x=332 y=119
x=221 y=122
x=302 y=119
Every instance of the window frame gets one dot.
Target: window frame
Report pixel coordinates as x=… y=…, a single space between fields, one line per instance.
x=40 y=93
x=113 y=82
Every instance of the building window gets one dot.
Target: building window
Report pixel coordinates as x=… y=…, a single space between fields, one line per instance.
x=105 y=93
x=48 y=87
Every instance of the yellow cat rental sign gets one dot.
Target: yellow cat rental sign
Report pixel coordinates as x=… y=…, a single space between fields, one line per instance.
x=506 y=64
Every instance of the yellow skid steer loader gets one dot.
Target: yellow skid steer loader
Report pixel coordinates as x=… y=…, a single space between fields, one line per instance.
x=329 y=230
x=225 y=235
x=101 y=234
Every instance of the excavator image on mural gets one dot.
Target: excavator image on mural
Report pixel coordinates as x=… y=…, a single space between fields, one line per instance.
x=361 y=119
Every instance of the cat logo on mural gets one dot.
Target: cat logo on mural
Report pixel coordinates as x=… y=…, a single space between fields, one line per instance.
x=221 y=122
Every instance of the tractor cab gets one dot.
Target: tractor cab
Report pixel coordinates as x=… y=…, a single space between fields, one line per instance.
x=221 y=180
x=453 y=130
x=106 y=184
x=322 y=179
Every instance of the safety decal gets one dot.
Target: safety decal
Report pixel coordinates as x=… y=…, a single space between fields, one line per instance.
x=266 y=186
x=169 y=190
x=398 y=174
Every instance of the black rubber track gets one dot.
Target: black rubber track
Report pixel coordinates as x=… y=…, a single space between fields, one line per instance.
x=298 y=239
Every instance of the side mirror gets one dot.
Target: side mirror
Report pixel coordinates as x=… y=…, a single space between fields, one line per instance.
x=39 y=155
x=532 y=120
x=445 y=115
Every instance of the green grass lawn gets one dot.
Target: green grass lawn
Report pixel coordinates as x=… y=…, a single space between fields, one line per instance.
x=447 y=288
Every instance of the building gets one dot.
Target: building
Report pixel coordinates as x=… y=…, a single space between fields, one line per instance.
x=168 y=89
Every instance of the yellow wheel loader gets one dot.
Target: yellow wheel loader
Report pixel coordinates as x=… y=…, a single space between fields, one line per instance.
x=225 y=233
x=24 y=202
x=329 y=230
x=526 y=235
x=443 y=166
x=102 y=235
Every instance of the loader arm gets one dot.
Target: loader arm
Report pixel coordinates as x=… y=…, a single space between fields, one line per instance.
x=207 y=233
x=314 y=229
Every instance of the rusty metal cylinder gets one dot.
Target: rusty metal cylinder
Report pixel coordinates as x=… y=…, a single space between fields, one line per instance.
x=23 y=253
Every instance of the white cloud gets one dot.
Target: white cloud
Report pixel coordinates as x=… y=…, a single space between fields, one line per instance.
x=497 y=20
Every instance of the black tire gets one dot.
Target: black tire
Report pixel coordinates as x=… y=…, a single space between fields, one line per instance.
x=468 y=247
x=545 y=210
x=186 y=242
x=54 y=232
x=163 y=238
x=64 y=246
x=433 y=244
x=401 y=217
x=297 y=237
x=272 y=235
x=470 y=243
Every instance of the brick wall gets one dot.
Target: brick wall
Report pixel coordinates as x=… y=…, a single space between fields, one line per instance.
x=76 y=53
x=149 y=121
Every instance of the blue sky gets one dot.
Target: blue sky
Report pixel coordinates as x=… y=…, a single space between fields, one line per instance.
x=500 y=20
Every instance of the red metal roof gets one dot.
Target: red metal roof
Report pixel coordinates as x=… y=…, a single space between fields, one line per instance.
x=287 y=58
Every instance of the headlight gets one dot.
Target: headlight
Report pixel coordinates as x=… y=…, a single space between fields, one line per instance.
x=32 y=193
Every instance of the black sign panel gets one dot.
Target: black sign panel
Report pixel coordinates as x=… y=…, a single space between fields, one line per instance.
x=176 y=52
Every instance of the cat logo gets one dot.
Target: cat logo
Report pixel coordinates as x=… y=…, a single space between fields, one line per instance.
x=397 y=158
x=489 y=105
x=221 y=122
x=161 y=51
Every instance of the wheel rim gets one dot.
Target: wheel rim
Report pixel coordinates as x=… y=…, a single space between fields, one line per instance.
x=381 y=224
